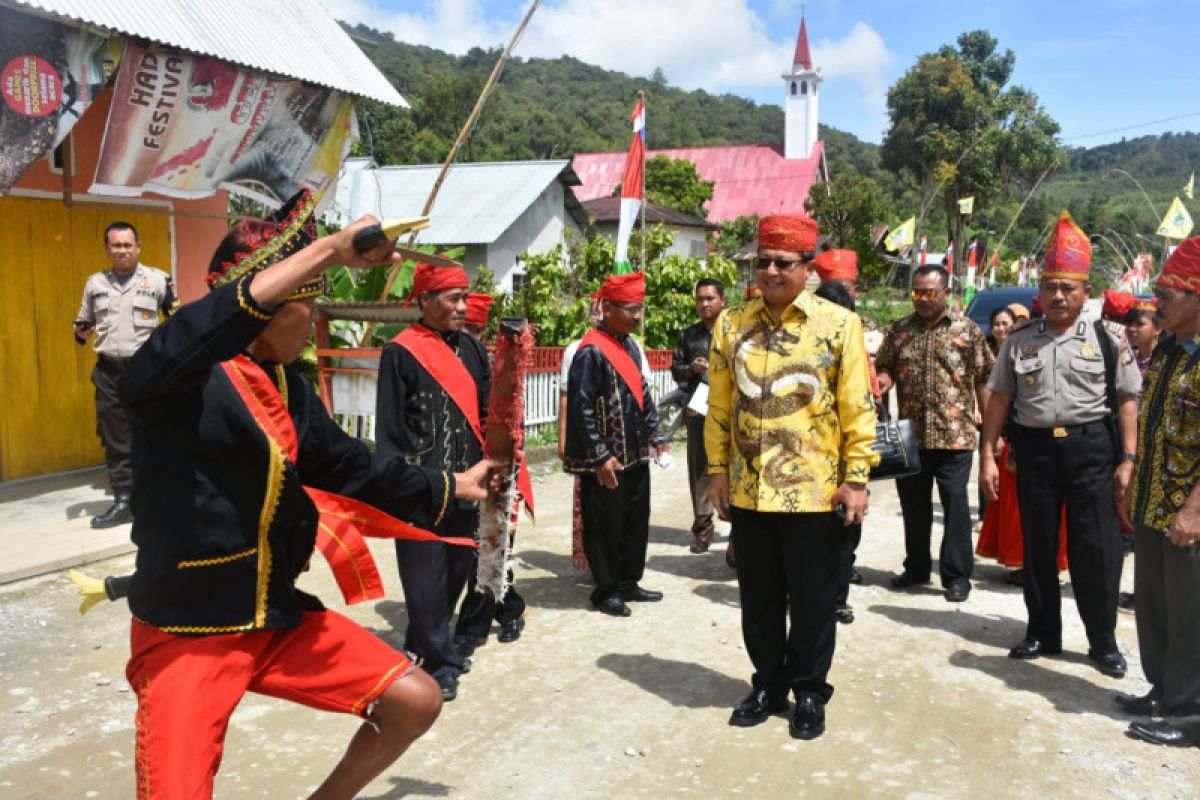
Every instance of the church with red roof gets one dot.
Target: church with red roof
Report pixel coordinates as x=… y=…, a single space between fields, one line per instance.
x=747 y=179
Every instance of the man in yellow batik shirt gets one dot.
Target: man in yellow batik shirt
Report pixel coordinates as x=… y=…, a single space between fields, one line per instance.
x=789 y=432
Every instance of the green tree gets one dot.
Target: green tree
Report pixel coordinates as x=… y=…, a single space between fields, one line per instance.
x=958 y=130
x=847 y=210
x=674 y=183
x=736 y=234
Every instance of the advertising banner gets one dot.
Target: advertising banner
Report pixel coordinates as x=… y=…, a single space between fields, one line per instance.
x=49 y=75
x=185 y=125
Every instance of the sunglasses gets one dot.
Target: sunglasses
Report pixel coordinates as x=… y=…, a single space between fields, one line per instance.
x=783 y=265
x=628 y=308
x=926 y=294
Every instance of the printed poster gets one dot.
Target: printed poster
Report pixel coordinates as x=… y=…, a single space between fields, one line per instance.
x=186 y=125
x=49 y=75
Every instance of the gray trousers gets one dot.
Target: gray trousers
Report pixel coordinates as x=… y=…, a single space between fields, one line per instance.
x=1166 y=582
x=112 y=426
x=697 y=465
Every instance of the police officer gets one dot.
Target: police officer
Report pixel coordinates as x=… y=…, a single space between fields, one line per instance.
x=1064 y=378
x=120 y=307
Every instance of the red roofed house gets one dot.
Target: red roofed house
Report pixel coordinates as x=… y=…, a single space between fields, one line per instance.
x=748 y=179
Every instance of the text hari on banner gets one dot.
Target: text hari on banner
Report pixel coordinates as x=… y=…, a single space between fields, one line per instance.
x=49 y=75
x=185 y=125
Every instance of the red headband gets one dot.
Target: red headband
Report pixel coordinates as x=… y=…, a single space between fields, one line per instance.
x=428 y=278
x=627 y=288
x=478 y=308
x=1182 y=270
x=784 y=232
x=836 y=265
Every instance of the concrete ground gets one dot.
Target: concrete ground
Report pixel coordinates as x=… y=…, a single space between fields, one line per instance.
x=927 y=703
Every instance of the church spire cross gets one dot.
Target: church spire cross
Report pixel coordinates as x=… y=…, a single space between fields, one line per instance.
x=803 y=58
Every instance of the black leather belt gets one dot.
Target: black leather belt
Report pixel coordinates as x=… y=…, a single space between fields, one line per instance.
x=1064 y=431
x=112 y=363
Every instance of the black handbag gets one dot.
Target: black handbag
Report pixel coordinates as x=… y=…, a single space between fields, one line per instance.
x=896 y=443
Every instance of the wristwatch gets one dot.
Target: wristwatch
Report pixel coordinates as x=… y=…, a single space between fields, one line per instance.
x=1130 y=457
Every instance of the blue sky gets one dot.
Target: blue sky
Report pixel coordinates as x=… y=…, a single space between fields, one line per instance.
x=1097 y=67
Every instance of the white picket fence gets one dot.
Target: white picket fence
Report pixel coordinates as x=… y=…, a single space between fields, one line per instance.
x=354 y=399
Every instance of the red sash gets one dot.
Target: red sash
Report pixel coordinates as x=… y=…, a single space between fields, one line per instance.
x=444 y=365
x=446 y=368
x=343 y=521
x=621 y=361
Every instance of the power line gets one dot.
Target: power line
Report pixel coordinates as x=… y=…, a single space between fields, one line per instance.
x=1132 y=127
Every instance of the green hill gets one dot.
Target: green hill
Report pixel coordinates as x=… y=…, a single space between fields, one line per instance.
x=554 y=108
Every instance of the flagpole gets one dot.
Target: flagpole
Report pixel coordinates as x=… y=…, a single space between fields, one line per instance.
x=642 y=98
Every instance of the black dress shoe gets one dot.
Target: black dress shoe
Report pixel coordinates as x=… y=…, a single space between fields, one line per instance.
x=449 y=686
x=755 y=709
x=466 y=665
x=958 y=591
x=637 y=594
x=855 y=576
x=612 y=606
x=1030 y=649
x=1111 y=663
x=906 y=579
x=844 y=614
x=730 y=560
x=117 y=514
x=511 y=631
x=1161 y=732
x=465 y=643
x=808 y=719
x=1125 y=601
x=1148 y=705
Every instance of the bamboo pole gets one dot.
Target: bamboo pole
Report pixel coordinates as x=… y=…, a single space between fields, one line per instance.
x=452 y=156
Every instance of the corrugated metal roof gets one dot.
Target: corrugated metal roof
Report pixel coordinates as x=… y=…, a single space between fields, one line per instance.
x=749 y=179
x=292 y=38
x=477 y=203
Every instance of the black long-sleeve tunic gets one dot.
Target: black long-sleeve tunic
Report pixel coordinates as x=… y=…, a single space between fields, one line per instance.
x=218 y=552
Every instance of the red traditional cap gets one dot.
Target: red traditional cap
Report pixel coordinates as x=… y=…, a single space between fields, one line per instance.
x=1068 y=253
x=627 y=288
x=787 y=232
x=1182 y=270
x=1145 y=304
x=1117 y=305
x=836 y=265
x=478 y=307
x=428 y=278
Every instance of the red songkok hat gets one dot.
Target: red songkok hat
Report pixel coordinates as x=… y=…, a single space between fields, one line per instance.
x=478 y=306
x=836 y=265
x=1117 y=305
x=627 y=288
x=428 y=278
x=787 y=232
x=1182 y=270
x=1145 y=304
x=1068 y=253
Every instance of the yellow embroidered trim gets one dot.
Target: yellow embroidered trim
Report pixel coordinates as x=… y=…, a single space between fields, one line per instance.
x=281 y=382
x=212 y=562
x=342 y=546
x=266 y=517
x=376 y=689
x=249 y=309
x=140 y=755
x=203 y=629
x=445 y=498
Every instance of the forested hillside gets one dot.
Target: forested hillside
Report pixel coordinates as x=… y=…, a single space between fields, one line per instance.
x=554 y=108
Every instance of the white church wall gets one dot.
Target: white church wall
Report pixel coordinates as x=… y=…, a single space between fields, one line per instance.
x=536 y=231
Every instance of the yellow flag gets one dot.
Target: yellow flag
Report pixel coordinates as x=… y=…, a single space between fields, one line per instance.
x=1177 y=224
x=901 y=236
x=967 y=205
x=1190 y=189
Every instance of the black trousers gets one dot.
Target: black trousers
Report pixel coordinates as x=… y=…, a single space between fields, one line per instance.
x=789 y=570
x=846 y=570
x=480 y=608
x=950 y=470
x=433 y=575
x=616 y=529
x=112 y=426
x=1166 y=582
x=1076 y=470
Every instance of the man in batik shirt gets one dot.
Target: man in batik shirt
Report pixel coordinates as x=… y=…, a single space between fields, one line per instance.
x=939 y=363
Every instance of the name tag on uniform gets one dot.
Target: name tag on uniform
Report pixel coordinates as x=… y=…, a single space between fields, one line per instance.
x=1028 y=368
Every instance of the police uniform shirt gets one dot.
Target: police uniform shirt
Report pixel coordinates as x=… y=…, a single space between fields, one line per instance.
x=125 y=313
x=1057 y=380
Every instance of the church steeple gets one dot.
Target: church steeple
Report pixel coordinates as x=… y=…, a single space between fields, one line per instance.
x=803 y=58
x=800 y=110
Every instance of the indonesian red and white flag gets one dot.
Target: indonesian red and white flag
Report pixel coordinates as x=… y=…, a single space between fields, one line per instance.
x=631 y=187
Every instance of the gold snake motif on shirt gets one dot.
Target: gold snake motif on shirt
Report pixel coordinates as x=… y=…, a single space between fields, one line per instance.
x=775 y=394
